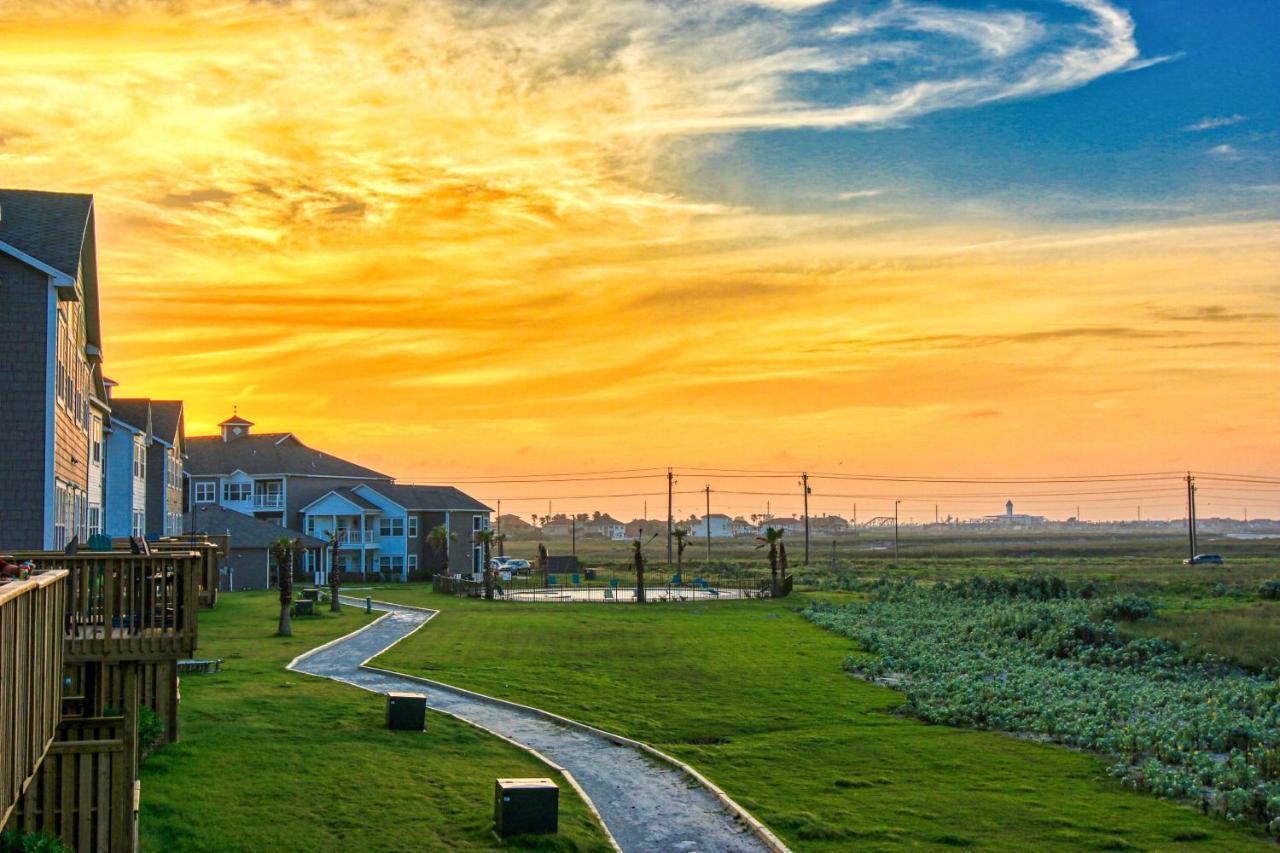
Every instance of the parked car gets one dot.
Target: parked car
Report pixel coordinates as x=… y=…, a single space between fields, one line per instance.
x=517 y=566
x=498 y=564
x=1200 y=559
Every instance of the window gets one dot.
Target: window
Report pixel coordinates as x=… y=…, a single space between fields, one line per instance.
x=311 y=525
x=237 y=492
x=391 y=527
x=206 y=491
x=60 y=501
x=413 y=526
x=139 y=460
x=139 y=523
x=393 y=564
x=95 y=519
x=95 y=445
x=413 y=562
x=475 y=522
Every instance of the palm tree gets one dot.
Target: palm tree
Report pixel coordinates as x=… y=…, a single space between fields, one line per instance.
x=773 y=539
x=335 y=570
x=439 y=539
x=542 y=562
x=484 y=538
x=681 y=535
x=500 y=538
x=637 y=560
x=283 y=550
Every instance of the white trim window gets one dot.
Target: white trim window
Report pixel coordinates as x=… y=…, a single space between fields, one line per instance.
x=95 y=443
x=311 y=525
x=139 y=460
x=139 y=523
x=413 y=527
x=205 y=491
x=412 y=562
x=61 y=508
x=95 y=519
x=391 y=564
x=390 y=526
x=236 y=492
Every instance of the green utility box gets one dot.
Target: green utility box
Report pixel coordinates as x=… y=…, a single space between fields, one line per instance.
x=311 y=594
x=304 y=608
x=406 y=711
x=526 y=807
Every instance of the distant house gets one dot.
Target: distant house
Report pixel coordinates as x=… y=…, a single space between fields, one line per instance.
x=559 y=526
x=649 y=526
x=790 y=525
x=605 y=527
x=742 y=527
x=249 y=565
x=1012 y=518
x=828 y=525
x=721 y=527
x=511 y=524
x=384 y=528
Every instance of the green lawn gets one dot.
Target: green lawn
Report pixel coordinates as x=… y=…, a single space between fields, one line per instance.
x=755 y=697
x=274 y=760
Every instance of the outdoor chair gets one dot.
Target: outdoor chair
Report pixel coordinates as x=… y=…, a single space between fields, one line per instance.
x=575 y=579
x=551 y=580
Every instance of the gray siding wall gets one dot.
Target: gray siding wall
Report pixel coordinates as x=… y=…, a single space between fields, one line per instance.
x=24 y=323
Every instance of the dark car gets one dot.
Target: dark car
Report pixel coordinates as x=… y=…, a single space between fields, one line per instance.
x=1201 y=559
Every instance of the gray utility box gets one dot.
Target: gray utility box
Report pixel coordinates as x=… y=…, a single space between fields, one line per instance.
x=406 y=711
x=305 y=607
x=311 y=594
x=526 y=807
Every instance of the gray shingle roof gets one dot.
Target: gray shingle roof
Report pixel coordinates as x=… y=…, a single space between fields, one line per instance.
x=246 y=531
x=49 y=227
x=429 y=498
x=166 y=419
x=268 y=453
x=355 y=498
x=133 y=411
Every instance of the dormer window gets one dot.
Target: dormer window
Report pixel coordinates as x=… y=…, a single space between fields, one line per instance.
x=235 y=427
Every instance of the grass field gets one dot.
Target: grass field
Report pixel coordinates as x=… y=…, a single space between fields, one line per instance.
x=755 y=697
x=274 y=760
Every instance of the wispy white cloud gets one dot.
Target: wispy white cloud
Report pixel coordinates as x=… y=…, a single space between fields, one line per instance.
x=1228 y=153
x=1212 y=122
x=850 y=195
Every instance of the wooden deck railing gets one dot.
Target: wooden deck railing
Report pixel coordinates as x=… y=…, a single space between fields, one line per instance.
x=213 y=547
x=31 y=642
x=127 y=607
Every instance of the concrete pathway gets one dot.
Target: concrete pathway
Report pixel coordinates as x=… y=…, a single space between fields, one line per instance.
x=646 y=804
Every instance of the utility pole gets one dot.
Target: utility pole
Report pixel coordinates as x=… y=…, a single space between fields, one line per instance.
x=573 y=531
x=833 y=555
x=855 y=521
x=706 y=520
x=1139 y=514
x=935 y=513
x=804 y=481
x=671 y=478
x=499 y=516
x=895 y=533
x=1191 y=516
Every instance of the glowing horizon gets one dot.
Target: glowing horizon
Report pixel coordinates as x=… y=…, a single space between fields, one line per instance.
x=460 y=240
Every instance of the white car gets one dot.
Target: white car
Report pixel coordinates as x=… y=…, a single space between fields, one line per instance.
x=515 y=564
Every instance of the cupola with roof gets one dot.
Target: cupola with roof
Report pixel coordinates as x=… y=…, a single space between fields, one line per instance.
x=235 y=427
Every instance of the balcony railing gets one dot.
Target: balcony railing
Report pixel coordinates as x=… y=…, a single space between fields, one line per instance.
x=357 y=537
x=268 y=501
x=31 y=642
x=122 y=607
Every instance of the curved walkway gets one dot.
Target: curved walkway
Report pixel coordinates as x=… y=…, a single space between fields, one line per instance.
x=646 y=804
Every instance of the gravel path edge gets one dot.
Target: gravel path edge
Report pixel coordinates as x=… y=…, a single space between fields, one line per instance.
x=762 y=832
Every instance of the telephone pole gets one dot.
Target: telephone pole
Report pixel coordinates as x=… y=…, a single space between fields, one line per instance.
x=573 y=532
x=671 y=477
x=1191 y=516
x=706 y=520
x=895 y=533
x=804 y=481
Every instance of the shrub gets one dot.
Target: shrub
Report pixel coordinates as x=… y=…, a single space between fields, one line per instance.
x=12 y=841
x=1129 y=608
x=1270 y=590
x=150 y=731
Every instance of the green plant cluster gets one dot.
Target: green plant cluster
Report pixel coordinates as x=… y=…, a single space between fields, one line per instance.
x=1055 y=667
x=13 y=841
x=1270 y=590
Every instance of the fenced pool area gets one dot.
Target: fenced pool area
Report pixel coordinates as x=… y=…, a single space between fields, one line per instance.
x=595 y=587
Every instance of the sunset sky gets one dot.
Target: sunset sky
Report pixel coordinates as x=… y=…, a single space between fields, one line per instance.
x=454 y=240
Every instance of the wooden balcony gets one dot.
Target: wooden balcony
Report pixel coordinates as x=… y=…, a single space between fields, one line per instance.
x=213 y=547
x=31 y=644
x=127 y=607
